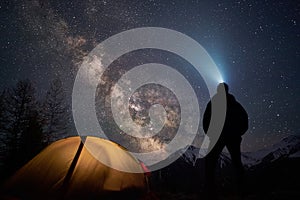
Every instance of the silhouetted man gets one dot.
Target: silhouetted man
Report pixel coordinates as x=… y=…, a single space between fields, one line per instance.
x=235 y=125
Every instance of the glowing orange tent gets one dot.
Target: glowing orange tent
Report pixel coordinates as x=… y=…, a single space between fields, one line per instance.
x=67 y=170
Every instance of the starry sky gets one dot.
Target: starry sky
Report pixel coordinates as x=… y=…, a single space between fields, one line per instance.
x=255 y=44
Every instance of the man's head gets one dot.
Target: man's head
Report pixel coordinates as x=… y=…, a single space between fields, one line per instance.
x=223 y=85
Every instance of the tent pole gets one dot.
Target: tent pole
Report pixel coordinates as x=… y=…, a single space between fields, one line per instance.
x=72 y=168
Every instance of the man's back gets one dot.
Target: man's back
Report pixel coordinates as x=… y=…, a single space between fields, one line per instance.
x=236 y=121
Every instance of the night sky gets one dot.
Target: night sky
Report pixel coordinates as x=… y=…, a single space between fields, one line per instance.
x=255 y=44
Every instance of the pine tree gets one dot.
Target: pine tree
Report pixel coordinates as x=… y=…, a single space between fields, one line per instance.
x=2 y=126
x=2 y=112
x=31 y=141
x=55 y=112
x=22 y=119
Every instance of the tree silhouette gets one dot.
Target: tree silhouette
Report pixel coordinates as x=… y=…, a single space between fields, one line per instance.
x=55 y=112
x=26 y=125
x=20 y=122
x=3 y=119
x=2 y=126
x=31 y=141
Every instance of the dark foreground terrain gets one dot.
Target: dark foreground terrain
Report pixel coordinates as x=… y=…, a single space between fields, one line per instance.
x=272 y=173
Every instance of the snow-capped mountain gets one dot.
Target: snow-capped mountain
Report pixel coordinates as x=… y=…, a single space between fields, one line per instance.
x=287 y=147
x=267 y=168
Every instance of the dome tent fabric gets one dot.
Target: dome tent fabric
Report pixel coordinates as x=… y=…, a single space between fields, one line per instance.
x=67 y=170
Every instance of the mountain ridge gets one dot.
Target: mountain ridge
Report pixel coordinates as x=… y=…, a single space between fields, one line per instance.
x=288 y=146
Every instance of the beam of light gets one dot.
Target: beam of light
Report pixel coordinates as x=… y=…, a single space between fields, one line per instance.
x=220 y=80
x=220 y=77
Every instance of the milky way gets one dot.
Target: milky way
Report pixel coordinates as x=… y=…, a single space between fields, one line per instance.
x=254 y=44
